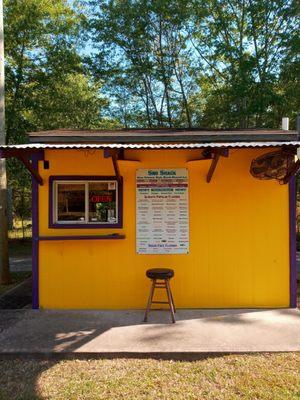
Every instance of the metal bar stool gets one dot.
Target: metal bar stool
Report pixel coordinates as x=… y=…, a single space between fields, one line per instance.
x=161 y=280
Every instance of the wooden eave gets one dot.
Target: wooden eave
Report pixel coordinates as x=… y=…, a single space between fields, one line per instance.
x=160 y=136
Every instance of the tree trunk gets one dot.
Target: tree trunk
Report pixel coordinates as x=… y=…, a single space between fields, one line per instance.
x=4 y=262
x=164 y=77
x=146 y=101
x=184 y=99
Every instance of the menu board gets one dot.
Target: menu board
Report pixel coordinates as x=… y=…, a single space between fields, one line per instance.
x=162 y=211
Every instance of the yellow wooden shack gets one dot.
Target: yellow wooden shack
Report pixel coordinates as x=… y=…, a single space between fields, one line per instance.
x=218 y=207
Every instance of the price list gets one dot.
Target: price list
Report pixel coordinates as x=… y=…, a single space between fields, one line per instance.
x=162 y=211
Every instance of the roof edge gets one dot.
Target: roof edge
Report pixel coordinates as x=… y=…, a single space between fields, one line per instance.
x=167 y=139
x=159 y=146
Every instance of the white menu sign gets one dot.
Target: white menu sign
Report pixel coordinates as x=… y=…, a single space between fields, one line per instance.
x=162 y=211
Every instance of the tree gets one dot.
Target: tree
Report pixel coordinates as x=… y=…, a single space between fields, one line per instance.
x=44 y=67
x=73 y=101
x=241 y=47
x=142 y=51
x=47 y=83
x=168 y=56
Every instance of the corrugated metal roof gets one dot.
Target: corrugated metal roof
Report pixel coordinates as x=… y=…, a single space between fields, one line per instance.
x=151 y=145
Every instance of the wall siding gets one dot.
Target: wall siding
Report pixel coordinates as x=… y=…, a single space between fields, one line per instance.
x=239 y=239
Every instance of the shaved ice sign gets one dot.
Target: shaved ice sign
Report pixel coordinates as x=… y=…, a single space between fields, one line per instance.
x=162 y=220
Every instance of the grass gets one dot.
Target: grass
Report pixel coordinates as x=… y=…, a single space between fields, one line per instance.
x=17 y=277
x=19 y=232
x=270 y=376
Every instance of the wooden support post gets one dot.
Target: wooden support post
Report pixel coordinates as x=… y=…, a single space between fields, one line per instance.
x=24 y=156
x=212 y=167
x=114 y=158
x=30 y=168
x=217 y=153
x=114 y=154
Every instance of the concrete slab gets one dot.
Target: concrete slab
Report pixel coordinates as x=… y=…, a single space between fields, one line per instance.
x=118 y=333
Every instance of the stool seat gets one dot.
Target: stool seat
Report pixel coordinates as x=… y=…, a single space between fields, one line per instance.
x=160 y=273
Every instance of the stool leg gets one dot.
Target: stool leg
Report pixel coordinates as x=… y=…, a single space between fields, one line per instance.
x=149 y=300
x=170 y=300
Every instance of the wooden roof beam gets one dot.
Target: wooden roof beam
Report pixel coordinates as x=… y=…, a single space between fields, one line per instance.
x=205 y=155
x=114 y=154
x=29 y=167
x=216 y=154
x=24 y=156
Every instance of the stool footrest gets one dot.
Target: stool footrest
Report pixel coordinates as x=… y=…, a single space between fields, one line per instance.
x=160 y=302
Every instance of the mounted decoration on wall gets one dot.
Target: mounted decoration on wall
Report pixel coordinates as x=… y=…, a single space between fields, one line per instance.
x=273 y=165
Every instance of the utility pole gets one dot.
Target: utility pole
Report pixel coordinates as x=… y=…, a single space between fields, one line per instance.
x=4 y=263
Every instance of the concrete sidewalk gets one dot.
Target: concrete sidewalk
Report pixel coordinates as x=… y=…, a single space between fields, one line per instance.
x=119 y=333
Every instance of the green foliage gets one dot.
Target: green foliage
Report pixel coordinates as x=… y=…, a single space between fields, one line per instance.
x=20 y=182
x=38 y=33
x=166 y=63
x=73 y=102
x=161 y=63
x=213 y=64
x=247 y=46
x=144 y=59
x=47 y=85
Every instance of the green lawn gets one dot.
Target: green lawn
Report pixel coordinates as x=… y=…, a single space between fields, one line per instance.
x=271 y=376
x=19 y=231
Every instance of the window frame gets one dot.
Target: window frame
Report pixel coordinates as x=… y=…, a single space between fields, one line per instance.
x=53 y=188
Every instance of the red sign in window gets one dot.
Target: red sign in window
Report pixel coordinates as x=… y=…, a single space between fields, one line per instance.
x=101 y=199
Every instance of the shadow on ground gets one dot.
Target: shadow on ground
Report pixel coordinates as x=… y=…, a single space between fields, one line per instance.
x=18 y=297
x=50 y=336
x=107 y=332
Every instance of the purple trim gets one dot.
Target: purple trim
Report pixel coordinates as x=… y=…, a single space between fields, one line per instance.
x=113 y=236
x=35 y=235
x=52 y=224
x=106 y=153
x=293 y=247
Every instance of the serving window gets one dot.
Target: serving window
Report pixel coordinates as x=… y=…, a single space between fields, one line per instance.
x=93 y=202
